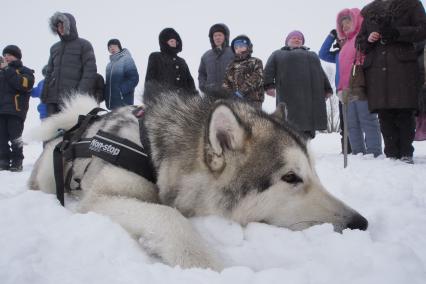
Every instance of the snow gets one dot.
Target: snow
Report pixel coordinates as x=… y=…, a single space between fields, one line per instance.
x=42 y=242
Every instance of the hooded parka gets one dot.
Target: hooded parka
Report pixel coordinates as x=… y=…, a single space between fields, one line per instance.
x=211 y=72
x=72 y=63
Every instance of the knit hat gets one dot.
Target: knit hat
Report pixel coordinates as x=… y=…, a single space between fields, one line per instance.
x=242 y=39
x=13 y=50
x=295 y=33
x=115 y=41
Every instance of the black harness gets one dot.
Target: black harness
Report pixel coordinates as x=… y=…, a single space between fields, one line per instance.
x=118 y=151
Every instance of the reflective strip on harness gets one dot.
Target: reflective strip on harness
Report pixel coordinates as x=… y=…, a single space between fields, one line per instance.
x=123 y=153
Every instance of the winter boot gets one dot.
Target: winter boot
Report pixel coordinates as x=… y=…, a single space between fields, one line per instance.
x=407 y=159
x=4 y=165
x=16 y=166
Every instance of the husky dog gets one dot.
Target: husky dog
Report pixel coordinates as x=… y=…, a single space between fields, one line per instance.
x=220 y=157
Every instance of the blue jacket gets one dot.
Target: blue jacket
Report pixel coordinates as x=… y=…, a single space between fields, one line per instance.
x=36 y=93
x=121 y=79
x=330 y=56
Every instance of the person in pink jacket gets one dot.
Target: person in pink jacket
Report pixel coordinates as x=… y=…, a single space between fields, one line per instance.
x=363 y=126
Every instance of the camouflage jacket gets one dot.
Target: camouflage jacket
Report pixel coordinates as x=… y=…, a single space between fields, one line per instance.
x=246 y=77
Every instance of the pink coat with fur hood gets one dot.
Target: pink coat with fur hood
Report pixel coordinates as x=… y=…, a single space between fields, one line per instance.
x=348 y=51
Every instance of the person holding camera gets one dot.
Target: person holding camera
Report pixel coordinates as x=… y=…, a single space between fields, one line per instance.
x=16 y=81
x=387 y=37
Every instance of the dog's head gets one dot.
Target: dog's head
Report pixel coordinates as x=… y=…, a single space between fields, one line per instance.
x=261 y=171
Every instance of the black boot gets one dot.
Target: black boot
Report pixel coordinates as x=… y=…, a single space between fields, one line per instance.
x=4 y=165
x=16 y=166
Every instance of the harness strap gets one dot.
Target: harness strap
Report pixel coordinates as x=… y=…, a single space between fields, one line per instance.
x=118 y=151
x=65 y=149
x=58 y=165
x=122 y=153
x=150 y=172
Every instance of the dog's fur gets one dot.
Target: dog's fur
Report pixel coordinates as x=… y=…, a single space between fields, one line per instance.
x=212 y=157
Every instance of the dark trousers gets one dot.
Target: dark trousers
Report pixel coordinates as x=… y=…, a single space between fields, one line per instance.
x=398 y=128
x=52 y=109
x=11 y=127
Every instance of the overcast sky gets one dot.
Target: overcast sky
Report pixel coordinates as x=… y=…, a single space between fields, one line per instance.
x=138 y=23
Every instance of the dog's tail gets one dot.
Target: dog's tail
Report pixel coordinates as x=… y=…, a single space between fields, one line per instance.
x=74 y=106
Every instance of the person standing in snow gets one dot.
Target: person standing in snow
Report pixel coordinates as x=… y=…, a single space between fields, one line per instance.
x=363 y=126
x=215 y=60
x=167 y=69
x=16 y=81
x=296 y=74
x=387 y=38
x=122 y=76
x=244 y=75
x=36 y=93
x=329 y=52
x=421 y=118
x=72 y=64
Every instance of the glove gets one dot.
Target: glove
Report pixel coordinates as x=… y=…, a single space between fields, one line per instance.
x=333 y=33
x=337 y=44
x=389 y=34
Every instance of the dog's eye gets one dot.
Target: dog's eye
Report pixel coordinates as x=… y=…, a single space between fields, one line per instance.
x=292 y=178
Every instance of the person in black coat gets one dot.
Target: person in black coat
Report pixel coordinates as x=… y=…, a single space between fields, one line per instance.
x=166 y=69
x=72 y=64
x=16 y=81
x=387 y=38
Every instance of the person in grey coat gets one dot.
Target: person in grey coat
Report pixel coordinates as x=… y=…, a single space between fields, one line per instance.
x=295 y=73
x=71 y=66
x=215 y=60
x=121 y=76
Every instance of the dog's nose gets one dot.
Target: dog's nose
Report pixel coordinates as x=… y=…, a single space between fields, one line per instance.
x=358 y=222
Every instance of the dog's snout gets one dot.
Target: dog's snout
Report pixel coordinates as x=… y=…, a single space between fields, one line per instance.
x=358 y=222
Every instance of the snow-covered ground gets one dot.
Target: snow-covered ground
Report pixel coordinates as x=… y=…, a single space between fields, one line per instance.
x=42 y=242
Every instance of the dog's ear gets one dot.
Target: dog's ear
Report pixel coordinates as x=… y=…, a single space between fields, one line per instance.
x=280 y=113
x=225 y=132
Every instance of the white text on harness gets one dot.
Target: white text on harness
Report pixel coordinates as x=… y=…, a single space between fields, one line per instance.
x=98 y=146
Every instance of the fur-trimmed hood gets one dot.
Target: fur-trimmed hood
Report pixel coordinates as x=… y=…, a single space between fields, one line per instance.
x=219 y=28
x=70 y=25
x=166 y=35
x=355 y=15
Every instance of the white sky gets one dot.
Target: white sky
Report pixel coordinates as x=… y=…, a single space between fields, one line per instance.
x=138 y=23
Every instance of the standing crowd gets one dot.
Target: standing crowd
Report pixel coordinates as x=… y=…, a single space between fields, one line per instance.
x=386 y=39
